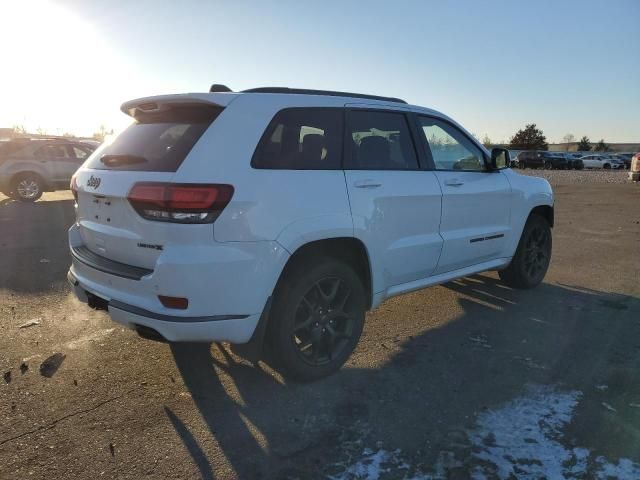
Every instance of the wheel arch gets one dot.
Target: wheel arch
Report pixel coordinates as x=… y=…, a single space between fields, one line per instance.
x=545 y=211
x=350 y=250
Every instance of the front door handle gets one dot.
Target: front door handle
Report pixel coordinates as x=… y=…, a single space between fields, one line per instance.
x=368 y=183
x=454 y=182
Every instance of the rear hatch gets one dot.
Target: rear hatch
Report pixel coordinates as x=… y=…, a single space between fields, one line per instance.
x=141 y=162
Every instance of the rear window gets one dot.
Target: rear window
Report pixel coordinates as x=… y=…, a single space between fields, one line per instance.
x=302 y=139
x=156 y=142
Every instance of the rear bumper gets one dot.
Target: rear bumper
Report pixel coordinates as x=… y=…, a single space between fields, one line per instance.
x=227 y=285
x=224 y=328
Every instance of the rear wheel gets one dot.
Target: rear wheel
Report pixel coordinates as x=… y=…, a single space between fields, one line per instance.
x=548 y=165
x=27 y=187
x=531 y=261
x=317 y=318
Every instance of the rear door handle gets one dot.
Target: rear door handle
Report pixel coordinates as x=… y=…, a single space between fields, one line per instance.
x=368 y=183
x=454 y=182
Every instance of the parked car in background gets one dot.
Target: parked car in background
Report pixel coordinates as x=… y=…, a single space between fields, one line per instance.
x=246 y=216
x=548 y=160
x=29 y=167
x=601 y=161
x=573 y=161
x=530 y=159
x=513 y=155
x=625 y=157
x=554 y=161
x=616 y=162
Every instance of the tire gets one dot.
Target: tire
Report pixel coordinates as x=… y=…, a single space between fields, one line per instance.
x=318 y=308
x=531 y=261
x=548 y=165
x=27 y=187
x=606 y=166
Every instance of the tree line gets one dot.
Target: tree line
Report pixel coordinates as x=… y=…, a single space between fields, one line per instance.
x=99 y=135
x=532 y=138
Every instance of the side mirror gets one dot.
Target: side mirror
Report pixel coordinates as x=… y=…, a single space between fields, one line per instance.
x=500 y=159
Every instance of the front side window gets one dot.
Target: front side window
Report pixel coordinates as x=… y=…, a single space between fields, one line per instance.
x=450 y=148
x=302 y=139
x=380 y=141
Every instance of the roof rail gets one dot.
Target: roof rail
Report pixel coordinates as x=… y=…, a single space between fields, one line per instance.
x=330 y=93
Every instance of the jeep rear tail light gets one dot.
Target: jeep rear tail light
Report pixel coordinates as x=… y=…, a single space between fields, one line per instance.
x=179 y=203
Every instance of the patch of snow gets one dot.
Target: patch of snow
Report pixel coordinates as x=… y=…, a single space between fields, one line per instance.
x=522 y=439
x=519 y=439
x=624 y=469
x=369 y=467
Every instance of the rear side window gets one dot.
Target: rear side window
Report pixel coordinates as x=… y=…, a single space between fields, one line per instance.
x=380 y=141
x=51 y=152
x=156 y=142
x=302 y=139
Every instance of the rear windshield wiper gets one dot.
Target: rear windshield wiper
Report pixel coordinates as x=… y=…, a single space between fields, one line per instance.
x=119 y=160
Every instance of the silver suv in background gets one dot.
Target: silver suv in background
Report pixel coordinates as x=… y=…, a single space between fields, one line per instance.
x=29 y=167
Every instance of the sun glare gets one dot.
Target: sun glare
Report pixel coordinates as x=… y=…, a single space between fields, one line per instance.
x=58 y=74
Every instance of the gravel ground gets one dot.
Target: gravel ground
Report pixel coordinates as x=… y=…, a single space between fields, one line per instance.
x=470 y=379
x=571 y=177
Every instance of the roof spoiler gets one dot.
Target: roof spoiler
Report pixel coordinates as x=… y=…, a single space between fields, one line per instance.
x=165 y=102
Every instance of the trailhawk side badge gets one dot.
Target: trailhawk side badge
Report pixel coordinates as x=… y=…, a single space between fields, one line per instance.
x=93 y=182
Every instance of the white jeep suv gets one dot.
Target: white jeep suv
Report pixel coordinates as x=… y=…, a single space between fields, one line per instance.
x=284 y=215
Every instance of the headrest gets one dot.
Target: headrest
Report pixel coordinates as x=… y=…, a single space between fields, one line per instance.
x=312 y=142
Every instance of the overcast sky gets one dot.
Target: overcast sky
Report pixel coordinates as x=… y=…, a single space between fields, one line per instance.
x=569 y=66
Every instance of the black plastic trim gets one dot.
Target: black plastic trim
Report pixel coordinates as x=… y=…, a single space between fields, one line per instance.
x=86 y=256
x=490 y=237
x=170 y=318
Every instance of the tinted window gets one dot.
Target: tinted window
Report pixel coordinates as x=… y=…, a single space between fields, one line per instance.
x=157 y=142
x=80 y=153
x=52 y=152
x=380 y=141
x=302 y=139
x=450 y=148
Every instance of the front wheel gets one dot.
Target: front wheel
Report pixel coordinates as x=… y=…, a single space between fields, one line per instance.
x=27 y=187
x=606 y=166
x=531 y=261
x=317 y=318
x=548 y=165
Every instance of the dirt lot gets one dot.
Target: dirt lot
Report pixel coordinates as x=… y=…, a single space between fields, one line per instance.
x=467 y=379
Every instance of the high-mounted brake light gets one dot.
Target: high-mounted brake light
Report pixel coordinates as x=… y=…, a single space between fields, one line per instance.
x=179 y=203
x=74 y=187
